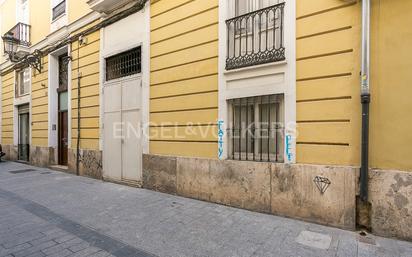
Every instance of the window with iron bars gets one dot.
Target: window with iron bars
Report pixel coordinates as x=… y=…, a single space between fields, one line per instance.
x=124 y=64
x=256 y=128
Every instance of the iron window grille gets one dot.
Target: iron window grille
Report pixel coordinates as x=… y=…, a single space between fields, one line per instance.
x=256 y=37
x=124 y=64
x=256 y=129
x=59 y=10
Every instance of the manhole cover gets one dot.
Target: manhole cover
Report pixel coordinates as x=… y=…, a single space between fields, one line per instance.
x=21 y=171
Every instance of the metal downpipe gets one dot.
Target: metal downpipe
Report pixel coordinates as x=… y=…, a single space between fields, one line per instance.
x=365 y=99
x=78 y=110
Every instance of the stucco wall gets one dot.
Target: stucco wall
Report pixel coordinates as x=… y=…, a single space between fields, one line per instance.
x=391 y=120
x=40 y=19
x=7 y=108
x=7 y=21
x=184 y=81
x=390 y=195
x=77 y=9
x=40 y=106
x=89 y=65
x=328 y=60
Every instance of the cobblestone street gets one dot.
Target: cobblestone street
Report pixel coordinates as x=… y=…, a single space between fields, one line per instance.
x=48 y=213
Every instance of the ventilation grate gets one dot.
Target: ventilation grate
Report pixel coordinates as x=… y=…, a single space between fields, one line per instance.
x=124 y=64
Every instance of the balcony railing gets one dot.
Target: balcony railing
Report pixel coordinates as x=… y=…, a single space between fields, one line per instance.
x=21 y=32
x=59 y=10
x=256 y=38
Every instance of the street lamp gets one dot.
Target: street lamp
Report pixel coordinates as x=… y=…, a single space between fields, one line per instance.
x=10 y=46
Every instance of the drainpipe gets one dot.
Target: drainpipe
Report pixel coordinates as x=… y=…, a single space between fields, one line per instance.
x=365 y=99
x=78 y=110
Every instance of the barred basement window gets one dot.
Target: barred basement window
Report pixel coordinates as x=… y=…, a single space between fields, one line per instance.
x=124 y=64
x=256 y=129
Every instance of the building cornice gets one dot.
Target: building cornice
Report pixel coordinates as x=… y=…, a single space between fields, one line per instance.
x=66 y=31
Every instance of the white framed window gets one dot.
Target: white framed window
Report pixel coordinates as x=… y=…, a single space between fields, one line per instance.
x=58 y=8
x=22 y=82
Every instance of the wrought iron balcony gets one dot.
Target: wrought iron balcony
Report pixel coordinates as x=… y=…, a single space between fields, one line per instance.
x=256 y=38
x=20 y=34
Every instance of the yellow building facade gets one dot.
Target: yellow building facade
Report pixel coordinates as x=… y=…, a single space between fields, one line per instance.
x=184 y=77
x=45 y=30
x=245 y=103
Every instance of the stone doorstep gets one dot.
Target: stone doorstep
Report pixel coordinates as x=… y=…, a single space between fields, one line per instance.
x=59 y=168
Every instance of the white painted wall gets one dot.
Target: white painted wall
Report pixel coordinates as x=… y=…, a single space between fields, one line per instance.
x=274 y=78
x=123 y=35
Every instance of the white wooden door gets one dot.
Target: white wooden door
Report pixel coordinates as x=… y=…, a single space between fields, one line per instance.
x=131 y=147
x=112 y=141
x=122 y=151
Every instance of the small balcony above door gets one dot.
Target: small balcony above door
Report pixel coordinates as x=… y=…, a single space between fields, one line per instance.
x=256 y=34
x=20 y=36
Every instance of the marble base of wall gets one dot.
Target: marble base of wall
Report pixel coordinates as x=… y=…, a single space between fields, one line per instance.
x=11 y=152
x=42 y=156
x=296 y=191
x=90 y=164
x=390 y=197
x=285 y=190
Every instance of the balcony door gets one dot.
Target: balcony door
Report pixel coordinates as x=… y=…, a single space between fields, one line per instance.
x=255 y=37
x=246 y=6
x=23 y=11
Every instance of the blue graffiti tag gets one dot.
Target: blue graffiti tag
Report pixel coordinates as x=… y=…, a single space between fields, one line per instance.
x=289 y=147
x=220 y=135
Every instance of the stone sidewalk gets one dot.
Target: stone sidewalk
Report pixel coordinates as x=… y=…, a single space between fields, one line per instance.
x=48 y=213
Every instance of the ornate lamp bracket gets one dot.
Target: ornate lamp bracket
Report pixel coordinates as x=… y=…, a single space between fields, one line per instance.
x=34 y=60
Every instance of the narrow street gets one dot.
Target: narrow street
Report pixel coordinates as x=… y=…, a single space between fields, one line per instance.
x=48 y=213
